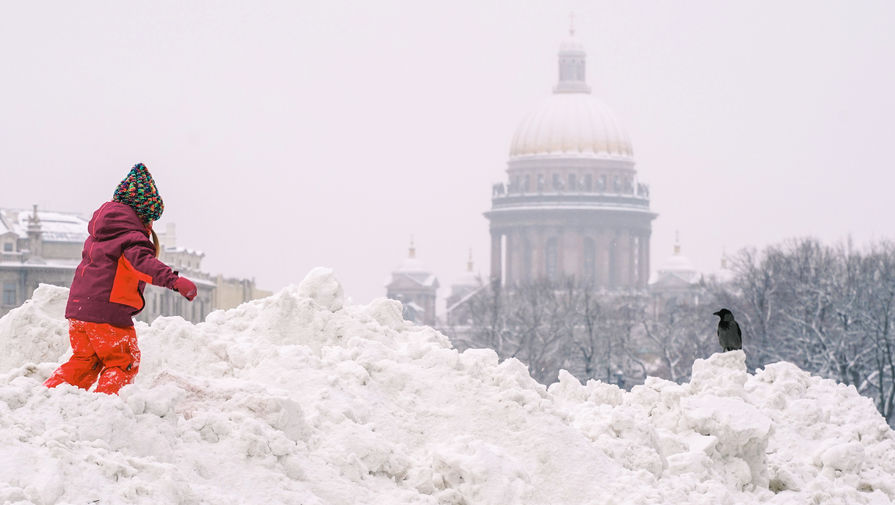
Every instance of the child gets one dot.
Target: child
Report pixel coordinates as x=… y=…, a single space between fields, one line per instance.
x=107 y=290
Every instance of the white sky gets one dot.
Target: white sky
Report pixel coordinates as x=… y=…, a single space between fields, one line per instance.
x=286 y=135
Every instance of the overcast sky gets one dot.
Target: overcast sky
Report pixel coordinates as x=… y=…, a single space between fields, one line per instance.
x=287 y=135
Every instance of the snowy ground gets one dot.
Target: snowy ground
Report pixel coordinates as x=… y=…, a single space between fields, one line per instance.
x=296 y=399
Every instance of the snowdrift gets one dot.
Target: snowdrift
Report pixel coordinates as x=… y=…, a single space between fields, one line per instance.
x=298 y=399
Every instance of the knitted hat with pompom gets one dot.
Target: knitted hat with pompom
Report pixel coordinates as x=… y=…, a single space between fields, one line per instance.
x=138 y=191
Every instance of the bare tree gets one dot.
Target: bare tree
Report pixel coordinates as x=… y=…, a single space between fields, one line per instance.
x=828 y=309
x=679 y=335
x=878 y=316
x=554 y=325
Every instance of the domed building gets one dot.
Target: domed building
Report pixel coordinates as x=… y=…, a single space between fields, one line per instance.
x=572 y=205
x=415 y=287
x=464 y=288
x=677 y=282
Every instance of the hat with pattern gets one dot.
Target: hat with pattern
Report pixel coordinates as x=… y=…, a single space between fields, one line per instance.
x=138 y=191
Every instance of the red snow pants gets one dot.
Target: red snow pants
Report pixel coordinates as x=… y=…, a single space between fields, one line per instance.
x=99 y=350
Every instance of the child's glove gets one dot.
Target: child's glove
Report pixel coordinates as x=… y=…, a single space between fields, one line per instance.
x=186 y=288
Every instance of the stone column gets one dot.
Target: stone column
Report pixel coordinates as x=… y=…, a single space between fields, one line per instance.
x=495 y=254
x=644 y=259
x=602 y=266
x=570 y=245
x=512 y=267
x=525 y=256
x=539 y=254
x=622 y=258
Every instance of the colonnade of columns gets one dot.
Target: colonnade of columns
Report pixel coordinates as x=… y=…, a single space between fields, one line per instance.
x=620 y=255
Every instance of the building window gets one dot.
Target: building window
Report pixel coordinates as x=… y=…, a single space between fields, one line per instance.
x=552 y=258
x=557 y=183
x=540 y=182
x=573 y=182
x=588 y=182
x=9 y=295
x=7 y=247
x=527 y=182
x=601 y=184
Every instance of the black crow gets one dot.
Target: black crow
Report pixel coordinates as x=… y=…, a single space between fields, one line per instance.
x=729 y=334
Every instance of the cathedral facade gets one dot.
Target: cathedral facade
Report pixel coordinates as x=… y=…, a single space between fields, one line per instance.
x=572 y=205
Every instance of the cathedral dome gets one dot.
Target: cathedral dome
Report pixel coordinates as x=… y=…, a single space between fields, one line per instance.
x=571 y=124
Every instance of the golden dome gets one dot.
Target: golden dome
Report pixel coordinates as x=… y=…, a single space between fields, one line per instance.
x=571 y=124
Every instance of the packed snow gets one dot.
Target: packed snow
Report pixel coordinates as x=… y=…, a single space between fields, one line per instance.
x=302 y=399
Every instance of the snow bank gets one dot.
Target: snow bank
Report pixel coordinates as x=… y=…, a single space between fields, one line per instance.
x=298 y=398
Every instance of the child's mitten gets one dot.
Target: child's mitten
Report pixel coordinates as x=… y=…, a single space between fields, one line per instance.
x=185 y=287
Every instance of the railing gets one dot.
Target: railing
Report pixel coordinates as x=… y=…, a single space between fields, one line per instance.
x=558 y=200
x=12 y=257
x=502 y=199
x=501 y=190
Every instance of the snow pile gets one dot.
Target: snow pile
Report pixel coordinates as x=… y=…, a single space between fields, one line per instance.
x=298 y=398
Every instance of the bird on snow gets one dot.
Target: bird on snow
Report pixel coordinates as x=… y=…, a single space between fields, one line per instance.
x=729 y=334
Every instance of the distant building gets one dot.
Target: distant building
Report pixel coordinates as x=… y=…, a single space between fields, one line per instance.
x=677 y=282
x=37 y=247
x=572 y=205
x=41 y=247
x=164 y=302
x=415 y=287
x=462 y=291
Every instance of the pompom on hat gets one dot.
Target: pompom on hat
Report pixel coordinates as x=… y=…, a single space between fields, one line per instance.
x=138 y=191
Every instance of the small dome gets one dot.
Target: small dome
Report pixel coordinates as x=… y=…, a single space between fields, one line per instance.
x=679 y=266
x=677 y=263
x=411 y=265
x=572 y=124
x=467 y=279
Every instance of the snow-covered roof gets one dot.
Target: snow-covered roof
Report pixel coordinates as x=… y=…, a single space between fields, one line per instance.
x=415 y=307
x=41 y=263
x=465 y=298
x=54 y=226
x=422 y=278
x=183 y=250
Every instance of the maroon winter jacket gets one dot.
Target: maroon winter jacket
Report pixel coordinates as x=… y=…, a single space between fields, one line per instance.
x=117 y=262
